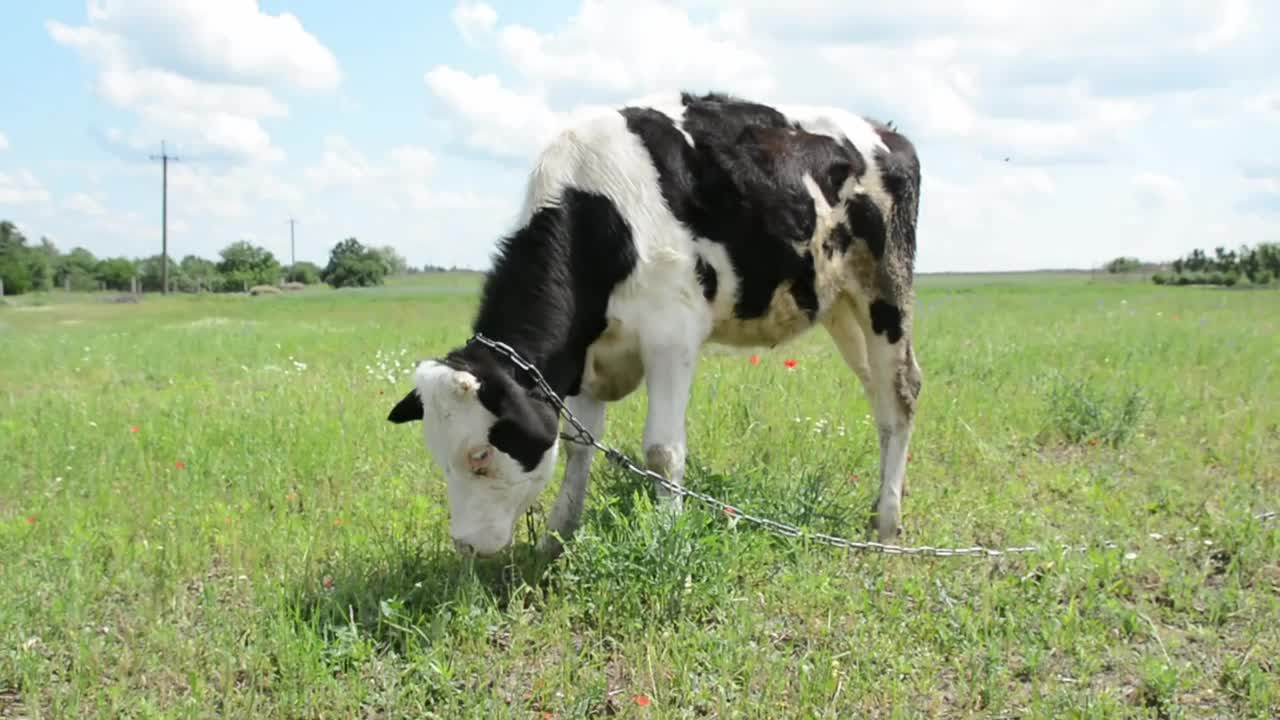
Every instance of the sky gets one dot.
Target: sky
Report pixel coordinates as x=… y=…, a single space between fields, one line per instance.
x=1051 y=135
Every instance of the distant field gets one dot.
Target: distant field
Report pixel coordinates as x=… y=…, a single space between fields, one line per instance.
x=203 y=513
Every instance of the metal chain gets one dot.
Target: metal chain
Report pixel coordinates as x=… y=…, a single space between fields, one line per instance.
x=582 y=436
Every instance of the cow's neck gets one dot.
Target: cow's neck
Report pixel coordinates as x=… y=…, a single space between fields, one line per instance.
x=528 y=303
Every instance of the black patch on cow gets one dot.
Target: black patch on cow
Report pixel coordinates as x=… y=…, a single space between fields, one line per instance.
x=545 y=296
x=803 y=287
x=740 y=185
x=866 y=222
x=900 y=166
x=707 y=278
x=550 y=284
x=526 y=426
x=900 y=170
x=886 y=319
x=839 y=241
x=408 y=409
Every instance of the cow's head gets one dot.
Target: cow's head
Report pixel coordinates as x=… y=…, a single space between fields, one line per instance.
x=496 y=443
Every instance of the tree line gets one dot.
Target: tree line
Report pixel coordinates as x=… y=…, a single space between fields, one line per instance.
x=1260 y=265
x=34 y=267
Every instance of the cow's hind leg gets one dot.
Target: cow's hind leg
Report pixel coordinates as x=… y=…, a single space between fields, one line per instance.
x=875 y=343
x=896 y=380
x=566 y=514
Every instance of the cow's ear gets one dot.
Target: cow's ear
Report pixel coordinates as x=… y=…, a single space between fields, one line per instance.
x=408 y=409
x=526 y=429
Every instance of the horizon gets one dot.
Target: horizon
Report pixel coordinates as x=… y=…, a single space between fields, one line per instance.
x=1049 y=138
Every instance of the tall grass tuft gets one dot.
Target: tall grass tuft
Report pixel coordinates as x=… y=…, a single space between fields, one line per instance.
x=1081 y=412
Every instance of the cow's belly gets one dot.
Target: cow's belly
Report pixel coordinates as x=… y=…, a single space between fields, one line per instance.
x=614 y=368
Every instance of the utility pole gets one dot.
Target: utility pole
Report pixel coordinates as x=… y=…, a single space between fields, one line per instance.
x=164 y=159
x=293 y=258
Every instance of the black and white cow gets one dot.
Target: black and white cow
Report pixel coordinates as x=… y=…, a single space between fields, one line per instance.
x=647 y=232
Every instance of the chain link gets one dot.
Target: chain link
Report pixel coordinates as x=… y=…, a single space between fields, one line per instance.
x=582 y=436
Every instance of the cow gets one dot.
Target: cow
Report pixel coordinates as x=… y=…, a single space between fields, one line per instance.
x=647 y=231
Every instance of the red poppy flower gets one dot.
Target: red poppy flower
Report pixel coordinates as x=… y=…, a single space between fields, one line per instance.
x=133 y=428
x=179 y=464
x=641 y=700
x=789 y=363
x=755 y=359
x=31 y=519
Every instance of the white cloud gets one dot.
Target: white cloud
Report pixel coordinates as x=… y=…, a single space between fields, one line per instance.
x=1155 y=190
x=609 y=45
x=497 y=120
x=340 y=164
x=401 y=181
x=1232 y=22
x=474 y=20
x=203 y=74
x=22 y=188
x=229 y=41
x=4 y=142
x=603 y=53
x=85 y=204
x=1265 y=104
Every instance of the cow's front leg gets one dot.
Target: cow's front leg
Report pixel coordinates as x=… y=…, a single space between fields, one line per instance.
x=669 y=369
x=566 y=514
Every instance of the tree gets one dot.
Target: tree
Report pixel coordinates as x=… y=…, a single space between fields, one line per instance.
x=1124 y=265
x=151 y=278
x=76 y=269
x=197 y=273
x=15 y=260
x=1269 y=258
x=246 y=264
x=396 y=264
x=43 y=261
x=1224 y=260
x=353 y=265
x=307 y=273
x=116 y=273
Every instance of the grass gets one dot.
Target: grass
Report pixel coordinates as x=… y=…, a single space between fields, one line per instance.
x=266 y=545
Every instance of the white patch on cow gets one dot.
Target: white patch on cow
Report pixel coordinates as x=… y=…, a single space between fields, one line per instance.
x=488 y=489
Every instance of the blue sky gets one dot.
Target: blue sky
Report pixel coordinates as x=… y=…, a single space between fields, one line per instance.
x=1049 y=137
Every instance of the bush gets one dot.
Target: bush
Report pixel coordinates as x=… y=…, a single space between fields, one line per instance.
x=304 y=272
x=16 y=275
x=354 y=265
x=245 y=264
x=1160 y=278
x=116 y=273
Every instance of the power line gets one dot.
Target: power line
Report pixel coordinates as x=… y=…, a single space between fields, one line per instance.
x=164 y=157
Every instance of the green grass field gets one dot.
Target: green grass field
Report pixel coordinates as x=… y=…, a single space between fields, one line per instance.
x=203 y=513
